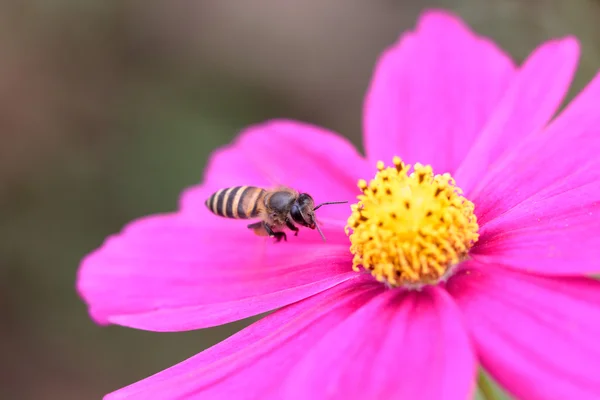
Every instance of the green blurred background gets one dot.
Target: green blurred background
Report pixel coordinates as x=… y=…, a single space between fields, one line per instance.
x=109 y=108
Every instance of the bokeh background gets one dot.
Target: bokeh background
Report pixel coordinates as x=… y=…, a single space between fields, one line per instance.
x=109 y=108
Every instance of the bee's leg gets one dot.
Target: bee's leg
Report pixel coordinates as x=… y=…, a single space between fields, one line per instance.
x=277 y=235
x=258 y=229
x=292 y=227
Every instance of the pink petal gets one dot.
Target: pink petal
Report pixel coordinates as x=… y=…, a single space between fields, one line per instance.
x=253 y=362
x=553 y=232
x=538 y=336
x=402 y=345
x=540 y=209
x=531 y=100
x=433 y=92
x=294 y=154
x=172 y=273
x=554 y=159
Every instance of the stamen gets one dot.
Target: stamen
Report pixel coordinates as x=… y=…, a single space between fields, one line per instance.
x=410 y=230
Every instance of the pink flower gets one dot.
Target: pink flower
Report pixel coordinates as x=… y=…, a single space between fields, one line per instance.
x=508 y=290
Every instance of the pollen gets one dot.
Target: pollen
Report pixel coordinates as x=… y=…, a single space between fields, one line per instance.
x=410 y=229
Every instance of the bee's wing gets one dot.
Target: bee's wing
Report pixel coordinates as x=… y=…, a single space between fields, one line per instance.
x=272 y=175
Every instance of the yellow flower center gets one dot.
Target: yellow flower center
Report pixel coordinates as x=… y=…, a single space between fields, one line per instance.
x=410 y=230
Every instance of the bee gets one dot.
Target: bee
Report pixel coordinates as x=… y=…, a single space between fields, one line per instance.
x=276 y=208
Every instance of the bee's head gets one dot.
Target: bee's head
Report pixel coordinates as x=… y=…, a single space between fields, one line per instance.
x=303 y=211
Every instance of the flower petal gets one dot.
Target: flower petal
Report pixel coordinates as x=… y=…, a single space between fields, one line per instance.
x=554 y=159
x=173 y=273
x=433 y=92
x=401 y=345
x=552 y=232
x=540 y=209
x=538 y=336
x=235 y=368
x=294 y=154
x=532 y=98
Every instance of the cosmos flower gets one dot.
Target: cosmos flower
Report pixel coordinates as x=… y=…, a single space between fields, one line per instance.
x=472 y=248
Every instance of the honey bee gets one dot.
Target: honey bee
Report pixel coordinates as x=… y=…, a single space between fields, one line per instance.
x=276 y=208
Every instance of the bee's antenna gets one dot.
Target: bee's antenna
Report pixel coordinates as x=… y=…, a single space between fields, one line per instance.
x=316 y=208
x=329 y=202
x=320 y=232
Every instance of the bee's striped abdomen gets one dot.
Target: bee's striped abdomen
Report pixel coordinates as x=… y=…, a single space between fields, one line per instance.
x=240 y=202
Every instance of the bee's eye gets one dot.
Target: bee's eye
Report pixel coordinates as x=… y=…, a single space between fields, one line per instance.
x=296 y=213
